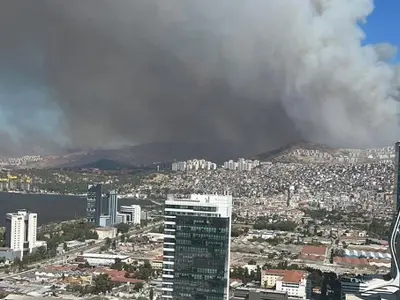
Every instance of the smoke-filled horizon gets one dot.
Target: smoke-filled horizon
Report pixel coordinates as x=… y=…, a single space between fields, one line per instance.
x=261 y=73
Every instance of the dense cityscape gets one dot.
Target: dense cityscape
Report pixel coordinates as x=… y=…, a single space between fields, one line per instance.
x=302 y=225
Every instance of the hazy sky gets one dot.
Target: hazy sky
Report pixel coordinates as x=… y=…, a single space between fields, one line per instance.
x=263 y=73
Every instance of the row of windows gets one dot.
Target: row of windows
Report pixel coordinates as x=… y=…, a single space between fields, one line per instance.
x=208 y=236
x=200 y=229
x=195 y=208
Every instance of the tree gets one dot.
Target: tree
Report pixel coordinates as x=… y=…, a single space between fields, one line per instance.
x=122 y=228
x=102 y=284
x=117 y=265
x=144 y=271
x=107 y=242
x=252 y=262
x=138 y=286
x=151 y=294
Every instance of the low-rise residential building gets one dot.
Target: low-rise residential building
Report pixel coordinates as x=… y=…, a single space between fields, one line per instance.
x=295 y=283
x=96 y=259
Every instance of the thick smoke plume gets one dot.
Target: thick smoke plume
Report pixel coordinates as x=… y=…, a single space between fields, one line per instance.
x=103 y=73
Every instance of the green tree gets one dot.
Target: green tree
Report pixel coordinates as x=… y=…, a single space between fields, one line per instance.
x=122 y=228
x=102 y=283
x=151 y=294
x=107 y=242
x=138 y=286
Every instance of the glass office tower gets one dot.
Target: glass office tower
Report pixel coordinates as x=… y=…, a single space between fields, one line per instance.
x=112 y=199
x=197 y=248
x=94 y=204
x=396 y=205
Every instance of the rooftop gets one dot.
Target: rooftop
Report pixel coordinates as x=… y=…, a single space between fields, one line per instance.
x=105 y=256
x=314 y=250
x=275 y=272
x=293 y=276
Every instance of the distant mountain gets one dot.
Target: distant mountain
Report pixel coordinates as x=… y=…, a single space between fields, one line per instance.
x=146 y=154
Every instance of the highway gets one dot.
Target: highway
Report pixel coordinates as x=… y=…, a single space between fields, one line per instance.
x=71 y=255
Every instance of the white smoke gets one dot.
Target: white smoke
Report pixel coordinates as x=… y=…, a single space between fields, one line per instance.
x=336 y=90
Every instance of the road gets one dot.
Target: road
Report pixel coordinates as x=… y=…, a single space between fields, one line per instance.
x=60 y=259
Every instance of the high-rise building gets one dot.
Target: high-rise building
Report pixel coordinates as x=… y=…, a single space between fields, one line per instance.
x=396 y=204
x=378 y=287
x=132 y=213
x=197 y=248
x=112 y=199
x=21 y=229
x=94 y=204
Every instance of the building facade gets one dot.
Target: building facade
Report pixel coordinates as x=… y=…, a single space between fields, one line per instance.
x=21 y=230
x=112 y=199
x=94 y=204
x=382 y=287
x=197 y=248
x=296 y=284
x=258 y=294
x=396 y=204
x=132 y=213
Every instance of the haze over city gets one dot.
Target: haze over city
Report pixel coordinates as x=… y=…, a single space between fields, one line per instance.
x=101 y=74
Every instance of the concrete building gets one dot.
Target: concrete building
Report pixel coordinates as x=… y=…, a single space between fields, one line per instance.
x=269 y=277
x=96 y=259
x=295 y=283
x=21 y=230
x=94 y=204
x=105 y=221
x=122 y=218
x=196 y=252
x=132 y=213
x=112 y=199
x=106 y=232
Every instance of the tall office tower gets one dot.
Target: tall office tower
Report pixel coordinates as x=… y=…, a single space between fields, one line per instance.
x=94 y=204
x=21 y=228
x=396 y=204
x=394 y=238
x=197 y=248
x=112 y=199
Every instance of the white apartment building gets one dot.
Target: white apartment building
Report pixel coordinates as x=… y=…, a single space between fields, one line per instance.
x=193 y=165
x=21 y=230
x=295 y=283
x=132 y=213
x=241 y=165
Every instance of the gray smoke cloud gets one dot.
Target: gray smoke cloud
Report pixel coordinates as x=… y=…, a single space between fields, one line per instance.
x=103 y=73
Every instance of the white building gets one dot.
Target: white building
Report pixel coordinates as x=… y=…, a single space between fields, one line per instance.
x=200 y=227
x=96 y=259
x=241 y=165
x=295 y=283
x=21 y=229
x=106 y=232
x=132 y=212
x=194 y=165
